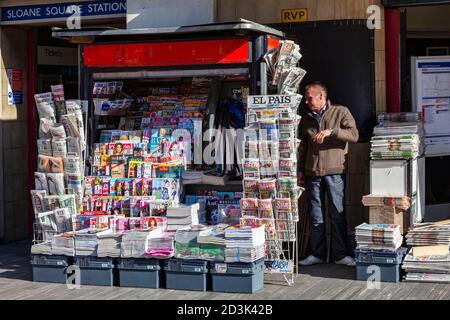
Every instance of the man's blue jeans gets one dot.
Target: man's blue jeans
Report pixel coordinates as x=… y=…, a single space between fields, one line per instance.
x=316 y=187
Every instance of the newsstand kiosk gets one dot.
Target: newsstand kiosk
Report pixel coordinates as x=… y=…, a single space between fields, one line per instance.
x=150 y=68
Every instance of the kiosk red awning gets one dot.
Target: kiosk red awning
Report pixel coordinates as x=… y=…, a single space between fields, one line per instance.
x=159 y=54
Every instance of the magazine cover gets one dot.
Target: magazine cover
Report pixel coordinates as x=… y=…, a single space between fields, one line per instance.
x=160 y=140
x=118 y=166
x=224 y=195
x=140 y=149
x=194 y=126
x=135 y=165
x=105 y=136
x=145 y=206
x=125 y=208
x=124 y=187
x=142 y=187
x=211 y=209
x=159 y=207
x=167 y=170
x=165 y=189
x=115 y=135
x=101 y=149
x=228 y=211
x=135 y=206
x=120 y=148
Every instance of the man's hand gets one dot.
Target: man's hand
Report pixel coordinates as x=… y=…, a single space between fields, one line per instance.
x=320 y=137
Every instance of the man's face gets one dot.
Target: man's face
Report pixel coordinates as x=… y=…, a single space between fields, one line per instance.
x=315 y=99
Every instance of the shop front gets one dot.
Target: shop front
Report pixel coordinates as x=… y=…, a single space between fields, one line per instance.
x=27 y=45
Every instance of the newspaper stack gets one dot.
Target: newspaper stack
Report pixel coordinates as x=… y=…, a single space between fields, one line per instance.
x=192 y=177
x=434 y=268
x=378 y=236
x=398 y=136
x=212 y=243
x=398 y=123
x=186 y=246
x=42 y=248
x=135 y=242
x=161 y=247
x=244 y=244
x=400 y=146
x=213 y=235
x=85 y=243
x=109 y=244
x=63 y=244
x=182 y=216
x=402 y=203
x=429 y=234
x=396 y=128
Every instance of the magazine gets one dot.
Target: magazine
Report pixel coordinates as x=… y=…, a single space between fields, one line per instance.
x=161 y=140
x=118 y=166
x=142 y=187
x=166 y=189
x=135 y=167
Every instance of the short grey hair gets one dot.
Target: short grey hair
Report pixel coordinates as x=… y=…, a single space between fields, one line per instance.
x=319 y=85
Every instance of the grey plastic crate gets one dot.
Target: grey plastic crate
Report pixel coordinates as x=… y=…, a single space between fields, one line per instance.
x=96 y=271
x=186 y=274
x=388 y=262
x=139 y=273
x=388 y=272
x=49 y=268
x=380 y=256
x=237 y=277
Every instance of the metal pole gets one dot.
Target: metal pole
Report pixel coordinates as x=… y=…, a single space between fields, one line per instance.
x=263 y=79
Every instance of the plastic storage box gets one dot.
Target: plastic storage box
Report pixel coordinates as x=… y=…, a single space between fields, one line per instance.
x=237 y=277
x=139 y=273
x=50 y=268
x=96 y=271
x=186 y=274
x=388 y=262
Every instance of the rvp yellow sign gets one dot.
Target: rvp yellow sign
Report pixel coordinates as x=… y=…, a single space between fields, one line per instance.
x=294 y=15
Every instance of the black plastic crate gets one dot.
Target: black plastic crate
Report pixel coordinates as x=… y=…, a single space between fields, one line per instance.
x=139 y=273
x=50 y=268
x=237 y=277
x=187 y=274
x=96 y=271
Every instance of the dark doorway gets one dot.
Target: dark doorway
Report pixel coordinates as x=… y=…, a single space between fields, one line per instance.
x=340 y=54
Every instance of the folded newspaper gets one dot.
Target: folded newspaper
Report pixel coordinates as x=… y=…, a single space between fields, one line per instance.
x=135 y=242
x=109 y=243
x=433 y=268
x=378 y=236
x=64 y=244
x=429 y=234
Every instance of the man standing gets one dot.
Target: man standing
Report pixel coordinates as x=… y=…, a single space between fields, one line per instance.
x=325 y=131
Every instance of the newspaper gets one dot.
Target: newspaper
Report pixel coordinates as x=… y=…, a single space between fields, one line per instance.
x=37 y=198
